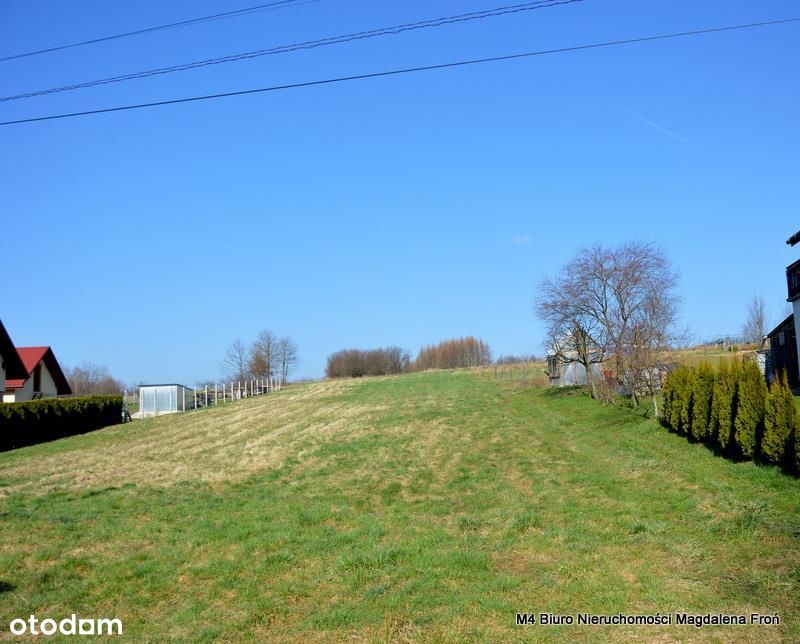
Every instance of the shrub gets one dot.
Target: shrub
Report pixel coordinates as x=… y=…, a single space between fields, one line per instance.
x=678 y=392
x=667 y=397
x=37 y=421
x=751 y=397
x=688 y=383
x=723 y=404
x=454 y=354
x=777 y=428
x=354 y=363
x=701 y=402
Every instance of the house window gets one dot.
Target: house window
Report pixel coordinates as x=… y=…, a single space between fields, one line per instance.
x=37 y=378
x=781 y=338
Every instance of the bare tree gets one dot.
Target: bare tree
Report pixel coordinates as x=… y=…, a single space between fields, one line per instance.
x=89 y=378
x=644 y=284
x=616 y=304
x=755 y=327
x=286 y=357
x=235 y=362
x=263 y=360
x=575 y=331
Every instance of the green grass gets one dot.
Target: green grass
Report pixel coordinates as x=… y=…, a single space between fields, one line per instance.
x=427 y=507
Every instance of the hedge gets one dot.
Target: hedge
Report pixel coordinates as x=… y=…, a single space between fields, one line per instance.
x=732 y=410
x=38 y=421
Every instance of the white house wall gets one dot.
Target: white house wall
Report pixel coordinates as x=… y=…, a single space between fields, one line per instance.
x=47 y=383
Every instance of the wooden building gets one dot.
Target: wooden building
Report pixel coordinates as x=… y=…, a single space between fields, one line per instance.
x=783 y=352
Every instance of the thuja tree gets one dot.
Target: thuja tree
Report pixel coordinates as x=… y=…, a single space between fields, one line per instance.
x=677 y=396
x=701 y=402
x=673 y=397
x=723 y=404
x=667 y=395
x=751 y=396
x=688 y=382
x=778 y=422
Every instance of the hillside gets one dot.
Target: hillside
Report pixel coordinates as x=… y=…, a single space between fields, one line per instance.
x=430 y=507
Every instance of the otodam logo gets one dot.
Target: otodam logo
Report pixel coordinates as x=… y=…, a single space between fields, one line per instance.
x=72 y=625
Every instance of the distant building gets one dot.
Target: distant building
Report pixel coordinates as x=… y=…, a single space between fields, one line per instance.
x=28 y=373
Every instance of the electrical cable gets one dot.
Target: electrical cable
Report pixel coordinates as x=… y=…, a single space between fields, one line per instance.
x=407 y=70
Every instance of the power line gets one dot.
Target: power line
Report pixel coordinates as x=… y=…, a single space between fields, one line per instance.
x=407 y=70
x=333 y=40
x=280 y=4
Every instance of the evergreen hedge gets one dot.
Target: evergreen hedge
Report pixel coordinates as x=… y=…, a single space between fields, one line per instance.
x=38 y=421
x=732 y=409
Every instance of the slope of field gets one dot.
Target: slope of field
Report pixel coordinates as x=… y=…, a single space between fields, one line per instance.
x=426 y=507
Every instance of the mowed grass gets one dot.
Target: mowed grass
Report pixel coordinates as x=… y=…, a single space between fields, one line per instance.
x=426 y=507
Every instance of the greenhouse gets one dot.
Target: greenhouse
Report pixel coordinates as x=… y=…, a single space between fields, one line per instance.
x=155 y=400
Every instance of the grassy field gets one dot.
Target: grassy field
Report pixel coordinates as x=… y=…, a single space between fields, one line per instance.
x=426 y=507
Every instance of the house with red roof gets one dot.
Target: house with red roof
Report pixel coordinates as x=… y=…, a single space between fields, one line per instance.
x=29 y=373
x=11 y=366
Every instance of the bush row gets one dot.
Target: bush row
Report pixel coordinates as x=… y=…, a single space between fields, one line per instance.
x=354 y=363
x=37 y=421
x=732 y=408
x=454 y=354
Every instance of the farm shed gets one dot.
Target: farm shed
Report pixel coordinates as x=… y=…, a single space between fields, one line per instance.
x=155 y=400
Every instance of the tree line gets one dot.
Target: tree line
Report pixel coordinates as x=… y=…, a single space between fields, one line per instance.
x=91 y=379
x=268 y=356
x=448 y=354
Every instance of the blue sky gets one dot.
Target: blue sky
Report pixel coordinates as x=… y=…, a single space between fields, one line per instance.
x=399 y=211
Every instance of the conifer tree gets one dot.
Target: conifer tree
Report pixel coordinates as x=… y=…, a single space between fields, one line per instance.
x=688 y=384
x=776 y=428
x=748 y=424
x=702 y=399
x=668 y=394
x=723 y=404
